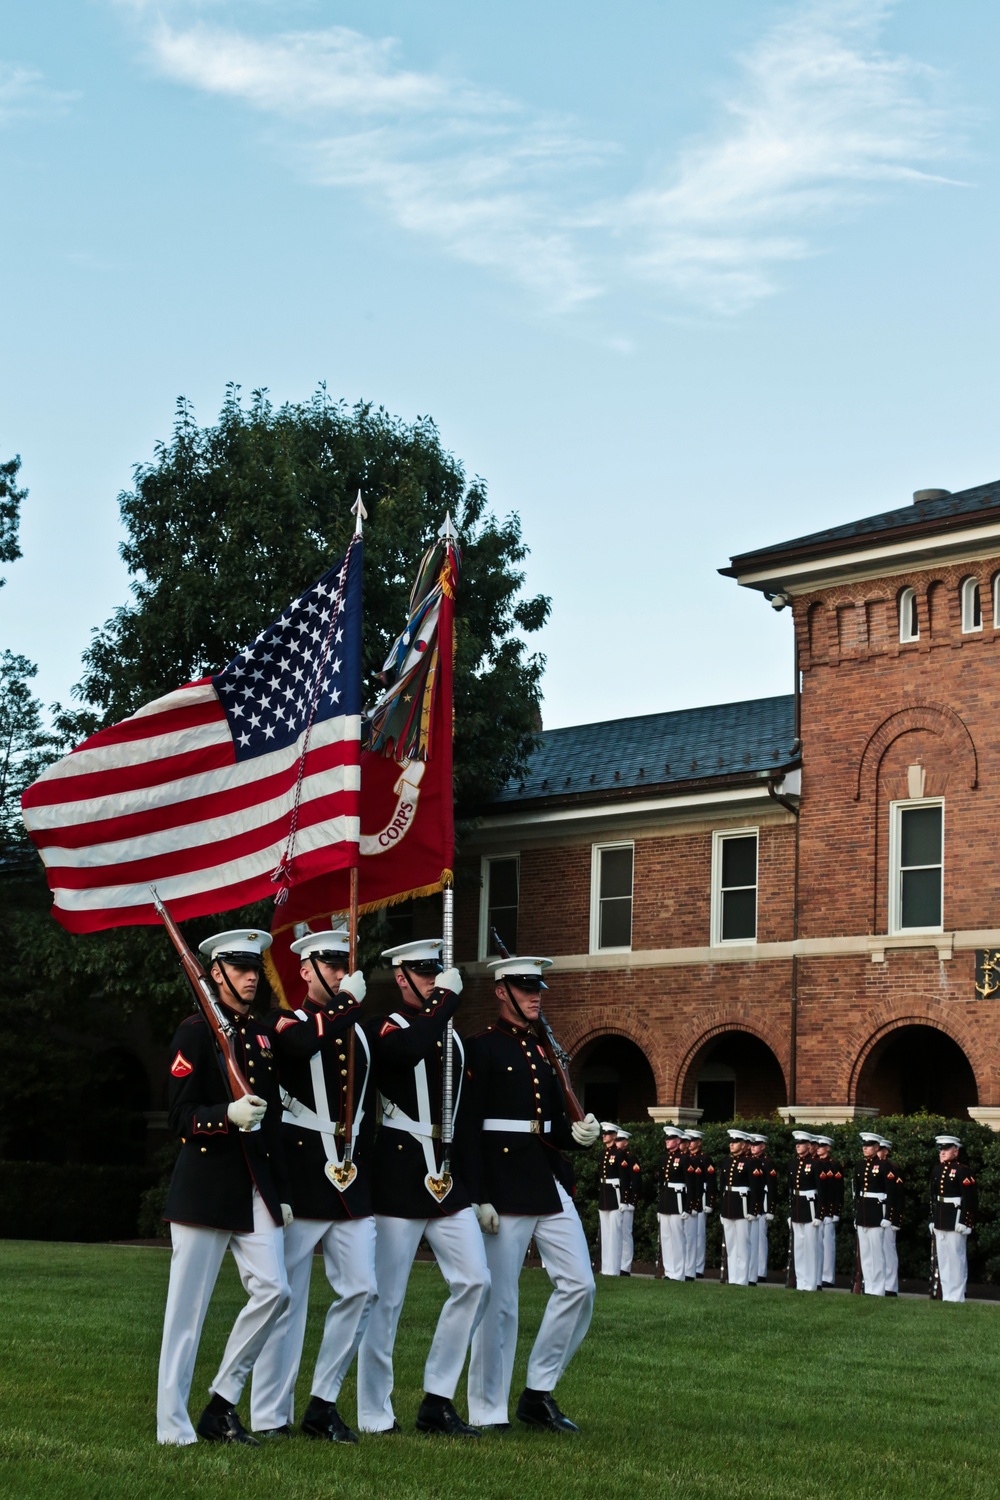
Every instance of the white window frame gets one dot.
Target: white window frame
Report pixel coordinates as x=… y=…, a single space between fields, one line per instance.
x=485 y=951
x=719 y=836
x=595 y=895
x=969 y=587
x=996 y=601
x=896 y=810
x=908 y=605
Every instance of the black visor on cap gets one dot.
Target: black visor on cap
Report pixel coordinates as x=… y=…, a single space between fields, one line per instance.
x=429 y=966
x=530 y=982
x=239 y=960
x=334 y=959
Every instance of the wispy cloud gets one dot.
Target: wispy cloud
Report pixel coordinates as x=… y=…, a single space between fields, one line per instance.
x=818 y=120
x=25 y=94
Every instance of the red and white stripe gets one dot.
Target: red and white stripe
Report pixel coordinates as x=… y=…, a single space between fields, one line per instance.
x=160 y=799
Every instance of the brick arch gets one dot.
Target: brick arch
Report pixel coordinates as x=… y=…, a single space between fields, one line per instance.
x=575 y=1035
x=937 y=719
x=684 y=1081
x=863 y=1044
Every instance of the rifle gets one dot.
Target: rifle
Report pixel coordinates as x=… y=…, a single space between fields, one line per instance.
x=344 y=1175
x=221 y=1027
x=935 y=1286
x=791 y=1280
x=858 y=1283
x=557 y=1056
x=439 y=1184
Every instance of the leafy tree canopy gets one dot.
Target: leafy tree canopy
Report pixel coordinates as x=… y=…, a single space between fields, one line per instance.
x=10 y=511
x=230 y=522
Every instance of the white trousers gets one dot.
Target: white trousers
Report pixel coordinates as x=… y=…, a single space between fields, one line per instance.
x=195 y=1261
x=808 y=1252
x=457 y=1243
x=672 y=1245
x=828 y=1234
x=701 y=1225
x=562 y=1245
x=871 y=1245
x=891 y=1260
x=628 y=1242
x=737 y=1233
x=611 y=1241
x=952 y=1262
x=691 y=1245
x=758 y=1248
x=349 y=1261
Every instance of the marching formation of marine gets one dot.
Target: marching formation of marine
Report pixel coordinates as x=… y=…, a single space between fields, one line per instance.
x=474 y=1166
x=746 y=1191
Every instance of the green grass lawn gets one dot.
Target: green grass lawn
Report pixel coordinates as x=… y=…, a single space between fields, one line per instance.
x=682 y=1390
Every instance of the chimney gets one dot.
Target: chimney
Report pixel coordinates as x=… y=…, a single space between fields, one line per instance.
x=921 y=495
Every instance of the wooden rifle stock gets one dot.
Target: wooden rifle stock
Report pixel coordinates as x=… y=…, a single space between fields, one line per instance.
x=557 y=1056
x=221 y=1029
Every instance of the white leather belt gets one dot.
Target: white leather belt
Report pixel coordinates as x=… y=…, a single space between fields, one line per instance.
x=808 y=1193
x=880 y=1197
x=738 y=1190
x=954 y=1202
x=527 y=1127
x=398 y=1121
x=613 y=1181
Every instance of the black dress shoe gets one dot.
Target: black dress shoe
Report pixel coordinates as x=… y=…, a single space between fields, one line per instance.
x=323 y=1420
x=496 y=1427
x=224 y=1427
x=272 y=1434
x=441 y=1416
x=539 y=1409
x=385 y=1431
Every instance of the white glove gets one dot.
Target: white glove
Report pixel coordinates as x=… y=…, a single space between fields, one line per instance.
x=451 y=980
x=489 y=1219
x=684 y=1216
x=789 y=1221
x=354 y=986
x=753 y=1217
x=835 y=1218
x=286 y=1215
x=886 y=1223
x=586 y=1131
x=769 y=1218
x=931 y=1227
x=817 y=1223
x=963 y=1228
x=247 y=1112
x=622 y=1207
x=707 y=1210
x=894 y=1228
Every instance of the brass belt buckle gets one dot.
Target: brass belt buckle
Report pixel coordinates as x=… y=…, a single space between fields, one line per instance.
x=536 y=1127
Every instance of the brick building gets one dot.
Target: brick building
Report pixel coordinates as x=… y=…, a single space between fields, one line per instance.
x=779 y=904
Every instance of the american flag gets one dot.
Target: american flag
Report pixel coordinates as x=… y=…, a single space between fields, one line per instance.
x=207 y=792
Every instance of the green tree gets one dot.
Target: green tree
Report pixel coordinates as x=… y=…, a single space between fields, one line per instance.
x=25 y=746
x=229 y=522
x=10 y=511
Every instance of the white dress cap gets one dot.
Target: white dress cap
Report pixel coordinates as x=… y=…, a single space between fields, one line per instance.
x=758 y=1140
x=624 y=1135
x=608 y=1129
x=673 y=1132
x=803 y=1135
x=947 y=1140
x=823 y=1140
x=868 y=1138
x=737 y=1135
x=423 y=951
x=336 y=940
x=695 y=1135
x=884 y=1144
x=241 y=942
x=521 y=968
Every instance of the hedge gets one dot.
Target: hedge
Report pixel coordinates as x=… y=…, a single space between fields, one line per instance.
x=39 y=1201
x=913 y=1150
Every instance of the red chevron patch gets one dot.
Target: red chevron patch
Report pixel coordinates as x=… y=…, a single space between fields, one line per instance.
x=180 y=1067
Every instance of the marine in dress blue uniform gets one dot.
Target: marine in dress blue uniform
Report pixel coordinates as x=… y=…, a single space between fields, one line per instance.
x=733 y=1187
x=523 y=1188
x=831 y=1182
x=408 y=1050
x=631 y=1187
x=609 y=1201
x=229 y=1190
x=311 y=1048
x=805 y=1213
x=873 y=1189
x=672 y=1202
x=954 y=1201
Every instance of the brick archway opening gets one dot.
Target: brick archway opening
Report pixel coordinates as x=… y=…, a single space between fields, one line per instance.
x=916 y=1069
x=735 y=1074
x=613 y=1079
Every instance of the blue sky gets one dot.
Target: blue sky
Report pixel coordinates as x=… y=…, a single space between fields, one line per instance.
x=678 y=280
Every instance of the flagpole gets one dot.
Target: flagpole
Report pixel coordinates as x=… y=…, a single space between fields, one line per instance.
x=347 y=1171
x=445 y=648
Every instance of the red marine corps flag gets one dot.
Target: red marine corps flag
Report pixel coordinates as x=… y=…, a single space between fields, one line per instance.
x=224 y=792
x=407 y=812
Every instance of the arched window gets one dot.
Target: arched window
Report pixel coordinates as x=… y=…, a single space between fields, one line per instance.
x=972 y=613
x=909 y=625
x=996 y=602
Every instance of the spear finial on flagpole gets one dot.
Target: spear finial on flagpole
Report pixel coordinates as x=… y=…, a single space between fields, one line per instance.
x=358 y=509
x=446 y=531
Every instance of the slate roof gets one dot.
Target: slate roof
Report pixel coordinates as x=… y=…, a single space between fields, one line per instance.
x=656 y=752
x=924 y=517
